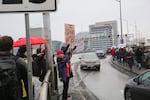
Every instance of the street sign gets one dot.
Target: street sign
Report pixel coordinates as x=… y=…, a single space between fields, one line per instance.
x=102 y=36
x=7 y=6
x=121 y=41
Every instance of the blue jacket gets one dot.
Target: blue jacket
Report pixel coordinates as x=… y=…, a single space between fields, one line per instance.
x=62 y=67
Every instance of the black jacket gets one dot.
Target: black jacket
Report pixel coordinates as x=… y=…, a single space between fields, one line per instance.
x=21 y=71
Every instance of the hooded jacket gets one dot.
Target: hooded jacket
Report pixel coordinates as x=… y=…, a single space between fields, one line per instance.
x=62 y=67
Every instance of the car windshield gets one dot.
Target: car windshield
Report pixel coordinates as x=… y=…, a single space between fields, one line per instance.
x=90 y=56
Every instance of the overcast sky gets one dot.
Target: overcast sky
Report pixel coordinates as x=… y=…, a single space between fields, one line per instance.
x=83 y=13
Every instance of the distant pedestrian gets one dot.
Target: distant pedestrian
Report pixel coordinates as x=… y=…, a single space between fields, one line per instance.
x=12 y=71
x=130 y=60
x=138 y=57
x=113 y=53
x=121 y=55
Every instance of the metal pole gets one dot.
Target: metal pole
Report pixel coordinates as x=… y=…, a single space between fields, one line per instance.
x=121 y=23
x=127 y=27
x=47 y=33
x=29 y=64
x=136 y=34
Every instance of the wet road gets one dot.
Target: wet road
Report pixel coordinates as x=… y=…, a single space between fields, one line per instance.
x=108 y=84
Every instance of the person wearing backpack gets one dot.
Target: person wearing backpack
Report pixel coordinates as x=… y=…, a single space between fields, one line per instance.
x=12 y=71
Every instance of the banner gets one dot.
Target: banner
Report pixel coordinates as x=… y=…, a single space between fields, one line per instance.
x=70 y=34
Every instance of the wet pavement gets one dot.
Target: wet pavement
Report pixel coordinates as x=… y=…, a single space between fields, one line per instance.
x=77 y=88
x=79 y=91
x=124 y=68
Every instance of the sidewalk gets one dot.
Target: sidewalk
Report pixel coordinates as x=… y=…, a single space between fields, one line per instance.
x=124 y=66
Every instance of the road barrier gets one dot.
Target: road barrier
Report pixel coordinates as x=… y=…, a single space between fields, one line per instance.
x=45 y=93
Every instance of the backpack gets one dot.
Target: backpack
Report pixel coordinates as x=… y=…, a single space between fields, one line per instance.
x=9 y=82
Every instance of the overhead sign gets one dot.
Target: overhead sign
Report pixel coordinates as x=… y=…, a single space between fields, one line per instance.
x=70 y=34
x=27 y=5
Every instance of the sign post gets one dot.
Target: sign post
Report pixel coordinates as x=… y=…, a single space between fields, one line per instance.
x=29 y=63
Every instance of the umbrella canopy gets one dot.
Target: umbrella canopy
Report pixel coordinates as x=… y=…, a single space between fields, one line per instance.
x=33 y=41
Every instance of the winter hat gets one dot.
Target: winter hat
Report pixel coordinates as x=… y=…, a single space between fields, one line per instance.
x=59 y=52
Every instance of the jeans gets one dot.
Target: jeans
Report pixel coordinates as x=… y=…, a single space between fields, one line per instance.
x=139 y=65
x=65 y=89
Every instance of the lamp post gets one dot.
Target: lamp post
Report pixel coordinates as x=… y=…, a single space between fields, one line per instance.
x=127 y=25
x=121 y=36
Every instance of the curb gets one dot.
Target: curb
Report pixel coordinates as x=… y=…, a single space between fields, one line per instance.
x=123 y=69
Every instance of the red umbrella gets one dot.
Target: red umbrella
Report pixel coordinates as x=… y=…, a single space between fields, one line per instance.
x=33 y=41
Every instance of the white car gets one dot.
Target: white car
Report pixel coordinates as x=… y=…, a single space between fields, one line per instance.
x=90 y=61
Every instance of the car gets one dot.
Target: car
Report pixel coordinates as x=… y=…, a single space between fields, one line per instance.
x=138 y=88
x=89 y=61
x=100 y=54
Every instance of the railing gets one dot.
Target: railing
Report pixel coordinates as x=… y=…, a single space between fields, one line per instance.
x=45 y=93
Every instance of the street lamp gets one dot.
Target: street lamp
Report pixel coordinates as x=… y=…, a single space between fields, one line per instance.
x=127 y=25
x=121 y=40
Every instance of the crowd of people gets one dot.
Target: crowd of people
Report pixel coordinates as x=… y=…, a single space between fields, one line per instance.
x=13 y=70
x=14 y=73
x=128 y=55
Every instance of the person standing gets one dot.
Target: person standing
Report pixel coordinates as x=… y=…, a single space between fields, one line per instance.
x=138 y=57
x=39 y=59
x=113 y=52
x=64 y=76
x=130 y=59
x=12 y=71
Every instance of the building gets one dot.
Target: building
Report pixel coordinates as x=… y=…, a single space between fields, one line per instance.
x=103 y=35
x=56 y=45
x=80 y=41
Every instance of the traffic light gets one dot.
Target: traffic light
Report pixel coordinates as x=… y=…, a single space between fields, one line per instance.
x=37 y=1
x=11 y=1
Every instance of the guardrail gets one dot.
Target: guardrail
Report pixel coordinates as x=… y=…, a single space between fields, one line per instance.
x=45 y=93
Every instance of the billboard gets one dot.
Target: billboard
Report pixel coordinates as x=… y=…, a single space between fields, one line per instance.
x=27 y=5
x=70 y=34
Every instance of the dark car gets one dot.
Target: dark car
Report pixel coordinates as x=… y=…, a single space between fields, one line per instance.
x=100 y=54
x=138 y=88
x=89 y=61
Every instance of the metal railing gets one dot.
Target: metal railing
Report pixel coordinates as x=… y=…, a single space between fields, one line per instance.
x=45 y=93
